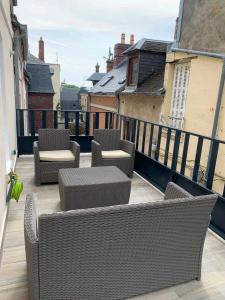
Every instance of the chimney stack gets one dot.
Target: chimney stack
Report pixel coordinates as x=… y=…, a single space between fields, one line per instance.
x=41 y=54
x=119 y=48
x=122 y=38
x=97 y=68
x=132 y=39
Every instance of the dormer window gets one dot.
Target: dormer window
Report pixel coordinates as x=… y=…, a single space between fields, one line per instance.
x=133 y=71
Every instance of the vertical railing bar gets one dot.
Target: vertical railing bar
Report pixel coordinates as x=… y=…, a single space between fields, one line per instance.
x=224 y=191
x=106 y=120
x=134 y=125
x=124 y=128
x=158 y=143
x=96 y=120
x=77 y=122
x=185 y=152
x=21 y=118
x=87 y=125
x=55 y=119
x=117 y=121
x=197 y=159
x=212 y=165
x=167 y=146
x=151 y=140
x=110 y=120
x=32 y=119
x=138 y=132
x=143 y=138
x=43 y=119
x=66 y=115
x=176 y=150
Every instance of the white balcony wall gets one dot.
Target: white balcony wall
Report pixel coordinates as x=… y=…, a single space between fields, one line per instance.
x=7 y=106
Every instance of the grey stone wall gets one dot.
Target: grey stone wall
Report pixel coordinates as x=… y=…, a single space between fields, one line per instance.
x=203 y=25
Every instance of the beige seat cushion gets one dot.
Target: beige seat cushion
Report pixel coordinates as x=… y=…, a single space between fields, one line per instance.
x=115 y=154
x=56 y=155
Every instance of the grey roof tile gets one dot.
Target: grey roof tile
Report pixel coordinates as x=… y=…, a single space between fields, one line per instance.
x=149 y=45
x=96 y=76
x=40 y=78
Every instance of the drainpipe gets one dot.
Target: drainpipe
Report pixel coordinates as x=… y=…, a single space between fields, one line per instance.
x=217 y=113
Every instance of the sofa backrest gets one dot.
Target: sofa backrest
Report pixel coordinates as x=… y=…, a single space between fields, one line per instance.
x=173 y=191
x=109 y=139
x=31 y=246
x=53 y=139
x=121 y=251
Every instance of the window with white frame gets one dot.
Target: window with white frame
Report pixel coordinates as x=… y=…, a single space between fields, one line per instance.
x=180 y=86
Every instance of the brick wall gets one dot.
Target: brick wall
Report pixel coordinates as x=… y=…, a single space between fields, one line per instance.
x=41 y=101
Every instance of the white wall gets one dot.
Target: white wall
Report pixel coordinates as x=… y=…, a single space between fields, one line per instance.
x=7 y=105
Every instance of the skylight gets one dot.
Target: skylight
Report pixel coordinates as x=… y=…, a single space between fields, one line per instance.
x=106 y=80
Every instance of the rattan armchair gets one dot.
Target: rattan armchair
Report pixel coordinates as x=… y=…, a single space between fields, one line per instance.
x=109 y=150
x=50 y=142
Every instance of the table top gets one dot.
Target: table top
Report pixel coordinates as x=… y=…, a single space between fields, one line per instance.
x=92 y=176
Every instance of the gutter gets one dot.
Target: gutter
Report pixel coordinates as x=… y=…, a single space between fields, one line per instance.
x=196 y=52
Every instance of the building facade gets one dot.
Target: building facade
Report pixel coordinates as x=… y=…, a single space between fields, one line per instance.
x=194 y=80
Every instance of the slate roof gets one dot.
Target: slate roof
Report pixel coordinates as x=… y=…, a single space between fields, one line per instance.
x=39 y=78
x=70 y=98
x=153 y=84
x=34 y=60
x=113 y=81
x=96 y=76
x=149 y=45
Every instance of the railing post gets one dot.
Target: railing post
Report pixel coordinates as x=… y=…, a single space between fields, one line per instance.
x=167 y=146
x=96 y=120
x=66 y=120
x=138 y=131
x=43 y=119
x=77 y=125
x=212 y=164
x=134 y=124
x=21 y=119
x=143 y=138
x=185 y=152
x=176 y=150
x=87 y=125
x=32 y=120
x=106 y=120
x=55 y=119
x=151 y=140
x=157 y=152
x=197 y=159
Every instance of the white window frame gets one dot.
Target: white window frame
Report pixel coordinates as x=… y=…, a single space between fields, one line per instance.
x=179 y=93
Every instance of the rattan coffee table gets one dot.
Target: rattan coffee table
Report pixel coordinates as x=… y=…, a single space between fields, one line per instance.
x=93 y=187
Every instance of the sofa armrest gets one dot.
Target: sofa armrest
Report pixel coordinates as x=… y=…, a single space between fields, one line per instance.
x=37 y=166
x=75 y=148
x=31 y=246
x=173 y=191
x=127 y=146
x=96 y=154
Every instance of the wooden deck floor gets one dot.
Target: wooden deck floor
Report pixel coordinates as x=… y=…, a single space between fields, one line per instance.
x=13 y=284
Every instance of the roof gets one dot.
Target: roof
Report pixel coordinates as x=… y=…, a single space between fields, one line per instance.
x=149 y=45
x=40 y=78
x=113 y=81
x=70 y=98
x=153 y=84
x=34 y=60
x=96 y=76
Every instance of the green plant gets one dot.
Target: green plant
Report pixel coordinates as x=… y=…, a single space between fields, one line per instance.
x=15 y=187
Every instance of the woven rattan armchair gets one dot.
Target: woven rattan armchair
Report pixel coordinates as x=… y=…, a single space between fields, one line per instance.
x=52 y=152
x=116 y=252
x=109 y=150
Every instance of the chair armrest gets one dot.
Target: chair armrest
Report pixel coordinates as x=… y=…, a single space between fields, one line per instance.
x=96 y=154
x=36 y=150
x=127 y=146
x=75 y=148
x=173 y=191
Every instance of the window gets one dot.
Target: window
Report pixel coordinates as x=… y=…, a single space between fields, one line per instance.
x=180 y=85
x=133 y=71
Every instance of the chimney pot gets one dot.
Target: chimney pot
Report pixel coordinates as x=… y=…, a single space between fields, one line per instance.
x=97 y=67
x=123 y=38
x=132 y=39
x=41 y=53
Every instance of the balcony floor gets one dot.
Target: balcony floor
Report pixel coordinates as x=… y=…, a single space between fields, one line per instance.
x=13 y=283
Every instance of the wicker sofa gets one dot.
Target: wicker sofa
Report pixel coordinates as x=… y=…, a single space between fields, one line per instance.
x=52 y=152
x=109 y=150
x=116 y=252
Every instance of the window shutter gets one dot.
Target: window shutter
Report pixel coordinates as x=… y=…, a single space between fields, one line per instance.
x=180 y=85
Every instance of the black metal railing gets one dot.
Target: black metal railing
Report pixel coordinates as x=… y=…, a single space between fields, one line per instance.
x=163 y=153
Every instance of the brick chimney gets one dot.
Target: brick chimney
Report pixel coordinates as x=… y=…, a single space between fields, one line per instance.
x=132 y=39
x=119 y=48
x=97 y=67
x=109 y=65
x=41 y=53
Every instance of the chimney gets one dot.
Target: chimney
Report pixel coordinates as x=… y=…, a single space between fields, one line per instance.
x=97 y=68
x=109 y=65
x=41 y=54
x=119 y=48
x=132 y=39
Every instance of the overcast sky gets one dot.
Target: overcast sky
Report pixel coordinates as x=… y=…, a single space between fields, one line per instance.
x=81 y=31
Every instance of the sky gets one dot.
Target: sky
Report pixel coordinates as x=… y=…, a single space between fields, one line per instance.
x=80 y=32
